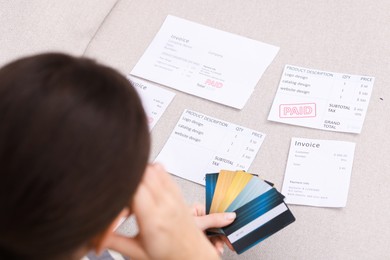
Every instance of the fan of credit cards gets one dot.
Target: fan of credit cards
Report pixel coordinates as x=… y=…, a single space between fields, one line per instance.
x=260 y=209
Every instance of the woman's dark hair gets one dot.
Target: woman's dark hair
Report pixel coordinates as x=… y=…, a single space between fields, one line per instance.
x=74 y=144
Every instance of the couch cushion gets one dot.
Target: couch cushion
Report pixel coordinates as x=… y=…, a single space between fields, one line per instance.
x=29 y=27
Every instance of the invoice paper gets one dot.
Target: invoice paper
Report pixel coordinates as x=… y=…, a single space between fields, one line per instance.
x=320 y=99
x=154 y=99
x=318 y=172
x=205 y=62
x=201 y=144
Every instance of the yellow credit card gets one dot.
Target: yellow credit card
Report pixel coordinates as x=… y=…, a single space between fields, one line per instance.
x=225 y=178
x=238 y=183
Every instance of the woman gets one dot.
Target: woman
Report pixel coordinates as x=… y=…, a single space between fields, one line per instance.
x=74 y=146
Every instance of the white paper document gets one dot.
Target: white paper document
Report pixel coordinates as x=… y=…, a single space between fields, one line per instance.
x=154 y=99
x=205 y=62
x=201 y=144
x=322 y=100
x=318 y=172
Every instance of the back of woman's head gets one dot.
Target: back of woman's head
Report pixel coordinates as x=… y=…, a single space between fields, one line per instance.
x=74 y=144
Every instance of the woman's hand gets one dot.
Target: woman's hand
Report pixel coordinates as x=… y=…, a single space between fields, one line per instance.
x=214 y=220
x=167 y=228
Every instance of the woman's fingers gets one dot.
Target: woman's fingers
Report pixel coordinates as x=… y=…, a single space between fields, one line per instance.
x=215 y=220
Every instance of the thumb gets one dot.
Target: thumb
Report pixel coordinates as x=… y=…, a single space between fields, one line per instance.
x=126 y=246
x=215 y=220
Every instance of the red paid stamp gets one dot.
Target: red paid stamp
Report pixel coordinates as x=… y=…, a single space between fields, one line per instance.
x=297 y=110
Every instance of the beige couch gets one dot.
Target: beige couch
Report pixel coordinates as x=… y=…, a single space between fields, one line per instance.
x=341 y=36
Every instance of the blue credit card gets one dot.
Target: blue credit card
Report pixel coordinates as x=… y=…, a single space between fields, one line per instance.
x=260 y=210
x=257 y=220
x=211 y=182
